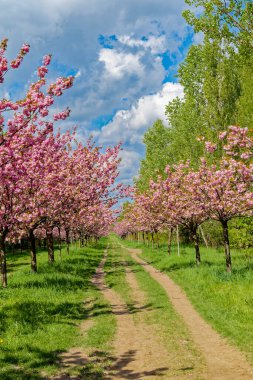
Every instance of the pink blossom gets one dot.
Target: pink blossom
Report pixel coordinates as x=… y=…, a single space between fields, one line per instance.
x=222 y=135
x=47 y=59
x=210 y=147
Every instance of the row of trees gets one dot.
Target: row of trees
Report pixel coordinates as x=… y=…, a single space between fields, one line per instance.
x=48 y=181
x=188 y=197
x=180 y=182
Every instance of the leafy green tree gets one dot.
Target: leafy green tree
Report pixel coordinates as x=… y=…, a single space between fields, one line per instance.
x=231 y=19
x=157 y=141
x=217 y=76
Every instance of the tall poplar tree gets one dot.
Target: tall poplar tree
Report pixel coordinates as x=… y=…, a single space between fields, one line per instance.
x=217 y=76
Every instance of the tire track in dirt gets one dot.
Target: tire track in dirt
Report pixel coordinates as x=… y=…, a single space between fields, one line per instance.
x=178 y=367
x=224 y=361
x=135 y=355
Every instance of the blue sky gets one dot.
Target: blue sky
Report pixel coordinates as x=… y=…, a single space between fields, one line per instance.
x=124 y=55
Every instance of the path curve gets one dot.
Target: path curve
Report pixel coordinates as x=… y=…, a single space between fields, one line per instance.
x=224 y=361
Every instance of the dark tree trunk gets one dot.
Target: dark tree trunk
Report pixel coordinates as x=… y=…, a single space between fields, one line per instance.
x=147 y=238
x=59 y=242
x=67 y=240
x=33 y=251
x=50 y=245
x=226 y=246
x=3 y=258
x=157 y=240
x=143 y=237
x=152 y=238
x=169 y=241
x=195 y=238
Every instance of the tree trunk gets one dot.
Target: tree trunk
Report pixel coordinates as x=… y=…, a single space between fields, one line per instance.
x=143 y=237
x=67 y=240
x=33 y=251
x=147 y=236
x=59 y=241
x=226 y=245
x=50 y=245
x=157 y=240
x=178 y=242
x=3 y=258
x=203 y=236
x=169 y=241
x=195 y=238
x=152 y=238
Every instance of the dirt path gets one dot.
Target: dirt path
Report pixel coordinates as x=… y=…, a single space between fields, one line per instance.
x=179 y=363
x=224 y=361
x=138 y=355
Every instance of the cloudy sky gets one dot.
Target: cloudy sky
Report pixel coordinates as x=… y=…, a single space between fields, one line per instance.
x=124 y=54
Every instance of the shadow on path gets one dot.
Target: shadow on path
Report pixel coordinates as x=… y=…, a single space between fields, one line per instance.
x=99 y=365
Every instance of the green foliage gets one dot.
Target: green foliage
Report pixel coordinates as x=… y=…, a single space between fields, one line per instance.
x=213 y=233
x=217 y=76
x=231 y=19
x=244 y=105
x=157 y=141
x=241 y=233
x=212 y=89
x=183 y=117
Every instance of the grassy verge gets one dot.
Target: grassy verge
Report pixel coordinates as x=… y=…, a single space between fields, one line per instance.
x=40 y=313
x=225 y=301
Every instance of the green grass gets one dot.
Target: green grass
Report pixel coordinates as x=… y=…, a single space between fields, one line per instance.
x=224 y=300
x=40 y=313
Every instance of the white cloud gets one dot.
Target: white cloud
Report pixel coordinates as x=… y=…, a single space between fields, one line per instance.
x=129 y=125
x=156 y=44
x=117 y=64
x=198 y=38
x=129 y=164
x=78 y=74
